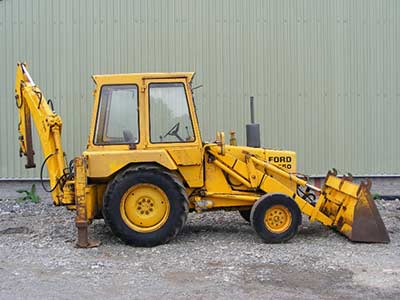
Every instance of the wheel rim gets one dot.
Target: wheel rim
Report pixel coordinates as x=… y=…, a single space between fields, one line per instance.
x=145 y=207
x=278 y=219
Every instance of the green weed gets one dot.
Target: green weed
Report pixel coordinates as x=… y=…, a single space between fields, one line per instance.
x=376 y=196
x=30 y=196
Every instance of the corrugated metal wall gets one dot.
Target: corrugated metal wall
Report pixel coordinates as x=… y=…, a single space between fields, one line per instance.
x=325 y=74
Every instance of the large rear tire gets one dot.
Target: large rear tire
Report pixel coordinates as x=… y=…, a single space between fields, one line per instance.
x=145 y=206
x=275 y=218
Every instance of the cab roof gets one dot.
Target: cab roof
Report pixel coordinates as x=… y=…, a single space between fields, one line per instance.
x=131 y=77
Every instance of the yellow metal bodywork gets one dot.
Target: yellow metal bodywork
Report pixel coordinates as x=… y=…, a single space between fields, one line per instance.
x=215 y=175
x=262 y=178
x=104 y=164
x=352 y=210
x=104 y=161
x=342 y=204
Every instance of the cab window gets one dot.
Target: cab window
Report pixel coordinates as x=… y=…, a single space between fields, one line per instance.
x=170 y=120
x=117 y=118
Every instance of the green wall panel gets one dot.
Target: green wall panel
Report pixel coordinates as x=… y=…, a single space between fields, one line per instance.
x=325 y=73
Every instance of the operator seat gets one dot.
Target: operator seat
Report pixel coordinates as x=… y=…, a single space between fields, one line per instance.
x=128 y=137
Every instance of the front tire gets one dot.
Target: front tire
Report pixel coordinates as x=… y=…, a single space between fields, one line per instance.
x=145 y=206
x=275 y=218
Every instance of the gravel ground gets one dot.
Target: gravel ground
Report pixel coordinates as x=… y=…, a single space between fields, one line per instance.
x=216 y=256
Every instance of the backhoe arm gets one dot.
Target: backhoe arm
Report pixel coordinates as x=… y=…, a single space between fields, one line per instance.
x=32 y=105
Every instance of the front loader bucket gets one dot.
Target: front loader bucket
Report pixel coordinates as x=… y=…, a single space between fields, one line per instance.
x=352 y=210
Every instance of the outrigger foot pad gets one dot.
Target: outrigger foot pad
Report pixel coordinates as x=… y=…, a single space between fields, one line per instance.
x=83 y=237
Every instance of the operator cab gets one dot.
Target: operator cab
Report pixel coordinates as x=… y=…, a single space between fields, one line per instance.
x=137 y=111
x=144 y=118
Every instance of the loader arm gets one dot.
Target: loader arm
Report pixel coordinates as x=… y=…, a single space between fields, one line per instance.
x=342 y=204
x=32 y=105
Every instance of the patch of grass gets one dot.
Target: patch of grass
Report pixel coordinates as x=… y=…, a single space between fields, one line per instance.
x=376 y=196
x=30 y=196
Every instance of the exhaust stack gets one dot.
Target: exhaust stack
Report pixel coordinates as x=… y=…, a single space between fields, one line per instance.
x=253 y=129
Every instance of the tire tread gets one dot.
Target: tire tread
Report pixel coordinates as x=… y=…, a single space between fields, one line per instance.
x=153 y=171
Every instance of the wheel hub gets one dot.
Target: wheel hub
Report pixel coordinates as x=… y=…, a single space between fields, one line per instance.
x=277 y=219
x=145 y=207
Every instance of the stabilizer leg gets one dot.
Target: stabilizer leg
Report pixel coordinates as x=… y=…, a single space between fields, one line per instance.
x=81 y=220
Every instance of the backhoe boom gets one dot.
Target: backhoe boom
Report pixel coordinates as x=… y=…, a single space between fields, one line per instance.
x=32 y=105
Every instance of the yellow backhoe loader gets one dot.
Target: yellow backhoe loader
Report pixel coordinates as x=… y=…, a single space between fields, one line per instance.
x=146 y=167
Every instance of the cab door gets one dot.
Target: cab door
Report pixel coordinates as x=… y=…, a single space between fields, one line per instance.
x=173 y=126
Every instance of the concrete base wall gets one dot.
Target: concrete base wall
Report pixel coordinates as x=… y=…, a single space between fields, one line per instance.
x=384 y=186
x=8 y=189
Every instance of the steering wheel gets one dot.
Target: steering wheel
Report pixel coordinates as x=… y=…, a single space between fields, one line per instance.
x=174 y=132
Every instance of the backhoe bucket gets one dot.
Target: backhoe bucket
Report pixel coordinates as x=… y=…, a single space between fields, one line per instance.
x=352 y=209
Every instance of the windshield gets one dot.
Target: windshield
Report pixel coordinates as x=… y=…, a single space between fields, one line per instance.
x=169 y=114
